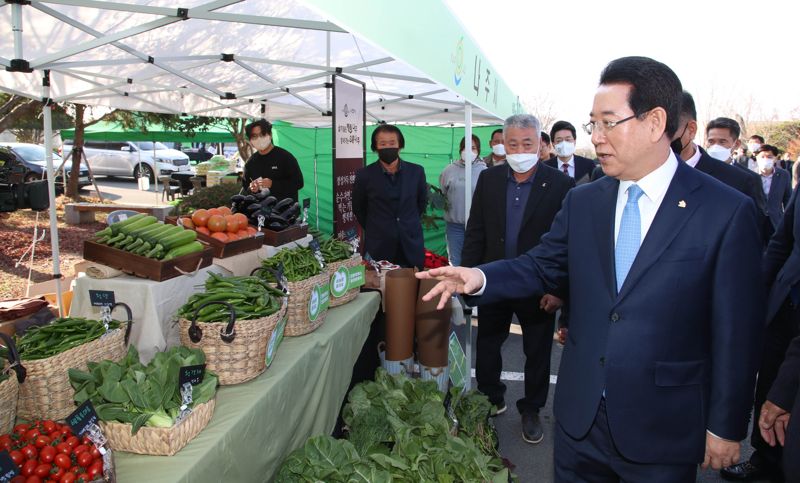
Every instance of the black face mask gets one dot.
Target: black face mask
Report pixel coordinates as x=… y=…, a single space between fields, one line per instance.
x=388 y=155
x=676 y=145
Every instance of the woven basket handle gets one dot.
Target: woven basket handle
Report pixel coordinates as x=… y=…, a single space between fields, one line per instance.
x=196 y=333
x=274 y=275
x=130 y=319
x=14 y=361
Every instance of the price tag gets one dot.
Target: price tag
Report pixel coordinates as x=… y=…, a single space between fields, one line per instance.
x=8 y=469
x=314 y=245
x=281 y=278
x=82 y=418
x=191 y=374
x=306 y=207
x=101 y=298
x=344 y=279
x=458 y=362
x=319 y=301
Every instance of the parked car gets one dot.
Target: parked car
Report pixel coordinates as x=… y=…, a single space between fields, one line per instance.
x=32 y=157
x=128 y=158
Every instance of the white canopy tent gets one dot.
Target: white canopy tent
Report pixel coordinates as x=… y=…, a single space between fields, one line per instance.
x=247 y=59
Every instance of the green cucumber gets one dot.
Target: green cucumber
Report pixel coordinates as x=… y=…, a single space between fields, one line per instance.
x=185 y=249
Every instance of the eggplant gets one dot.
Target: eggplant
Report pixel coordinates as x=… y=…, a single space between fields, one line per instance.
x=277 y=226
x=269 y=202
x=283 y=205
x=250 y=199
x=238 y=199
x=291 y=211
x=253 y=207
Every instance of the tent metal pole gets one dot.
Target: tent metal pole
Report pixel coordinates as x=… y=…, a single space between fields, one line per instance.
x=16 y=27
x=51 y=188
x=328 y=65
x=467 y=206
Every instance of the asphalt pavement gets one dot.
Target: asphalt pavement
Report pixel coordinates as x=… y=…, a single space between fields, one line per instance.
x=534 y=462
x=124 y=190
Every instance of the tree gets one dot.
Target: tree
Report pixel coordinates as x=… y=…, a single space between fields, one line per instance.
x=542 y=107
x=14 y=108
x=783 y=135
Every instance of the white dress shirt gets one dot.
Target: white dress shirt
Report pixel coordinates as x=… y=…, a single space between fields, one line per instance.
x=766 y=182
x=570 y=165
x=695 y=157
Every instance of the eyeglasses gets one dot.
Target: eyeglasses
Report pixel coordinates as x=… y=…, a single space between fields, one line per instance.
x=604 y=126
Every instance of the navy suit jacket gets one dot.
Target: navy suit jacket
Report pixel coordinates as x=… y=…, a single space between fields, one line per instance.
x=583 y=168
x=779 y=193
x=785 y=393
x=677 y=349
x=386 y=231
x=782 y=259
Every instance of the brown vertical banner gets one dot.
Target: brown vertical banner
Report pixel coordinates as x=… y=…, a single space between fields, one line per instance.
x=349 y=143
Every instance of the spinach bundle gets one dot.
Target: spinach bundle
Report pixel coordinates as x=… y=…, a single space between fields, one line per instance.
x=130 y=392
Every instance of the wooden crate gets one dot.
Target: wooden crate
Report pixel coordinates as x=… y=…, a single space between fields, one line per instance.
x=144 y=267
x=226 y=249
x=278 y=238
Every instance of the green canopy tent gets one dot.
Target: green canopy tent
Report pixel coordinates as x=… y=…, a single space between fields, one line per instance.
x=112 y=131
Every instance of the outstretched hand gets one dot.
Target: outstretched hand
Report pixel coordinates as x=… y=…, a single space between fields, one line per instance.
x=773 y=422
x=452 y=281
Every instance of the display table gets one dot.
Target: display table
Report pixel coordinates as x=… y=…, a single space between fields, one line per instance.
x=258 y=423
x=154 y=305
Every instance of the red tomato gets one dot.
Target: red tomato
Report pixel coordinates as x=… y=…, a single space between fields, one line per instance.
x=73 y=441
x=81 y=448
x=83 y=477
x=86 y=440
x=30 y=452
x=42 y=470
x=49 y=426
x=62 y=461
x=75 y=470
x=5 y=441
x=67 y=478
x=21 y=428
x=29 y=467
x=63 y=448
x=85 y=459
x=57 y=475
x=17 y=457
x=41 y=441
x=95 y=452
x=32 y=434
x=33 y=479
x=96 y=469
x=47 y=454
x=18 y=479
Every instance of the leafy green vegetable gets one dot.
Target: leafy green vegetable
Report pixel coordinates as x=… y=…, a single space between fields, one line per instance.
x=398 y=431
x=59 y=336
x=130 y=392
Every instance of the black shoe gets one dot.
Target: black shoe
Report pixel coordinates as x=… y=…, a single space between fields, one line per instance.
x=532 y=428
x=744 y=471
x=499 y=409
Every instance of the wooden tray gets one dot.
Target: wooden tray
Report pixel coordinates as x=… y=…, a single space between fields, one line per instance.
x=144 y=267
x=278 y=238
x=226 y=249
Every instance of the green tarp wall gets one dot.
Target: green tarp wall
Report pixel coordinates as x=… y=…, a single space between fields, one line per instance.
x=431 y=147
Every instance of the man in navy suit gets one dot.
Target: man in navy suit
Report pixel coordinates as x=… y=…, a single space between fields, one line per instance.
x=776 y=182
x=666 y=313
x=564 y=136
x=389 y=198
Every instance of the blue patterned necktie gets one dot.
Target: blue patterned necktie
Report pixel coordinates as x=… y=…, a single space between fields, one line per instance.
x=630 y=235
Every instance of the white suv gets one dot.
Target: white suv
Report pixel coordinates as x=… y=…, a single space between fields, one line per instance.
x=131 y=158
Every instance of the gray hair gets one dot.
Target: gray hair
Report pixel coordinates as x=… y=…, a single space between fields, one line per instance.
x=522 y=121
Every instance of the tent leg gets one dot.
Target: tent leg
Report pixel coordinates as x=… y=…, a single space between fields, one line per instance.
x=467 y=206
x=51 y=188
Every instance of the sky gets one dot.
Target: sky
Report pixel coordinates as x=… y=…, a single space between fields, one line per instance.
x=731 y=55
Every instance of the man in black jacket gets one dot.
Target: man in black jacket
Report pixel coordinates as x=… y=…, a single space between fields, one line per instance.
x=513 y=206
x=742 y=180
x=389 y=198
x=563 y=135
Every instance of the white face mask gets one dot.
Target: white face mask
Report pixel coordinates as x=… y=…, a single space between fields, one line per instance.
x=261 y=143
x=765 y=164
x=464 y=156
x=565 y=149
x=718 y=152
x=499 y=150
x=753 y=147
x=522 y=162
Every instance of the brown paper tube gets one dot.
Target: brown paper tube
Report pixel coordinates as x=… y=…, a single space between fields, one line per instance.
x=401 y=296
x=433 y=328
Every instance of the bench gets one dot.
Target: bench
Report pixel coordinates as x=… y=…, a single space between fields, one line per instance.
x=77 y=213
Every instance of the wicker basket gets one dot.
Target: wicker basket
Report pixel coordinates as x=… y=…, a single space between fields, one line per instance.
x=298 y=322
x=351 y=262
x=9 y=389
x=158 y=441
x=47 y=393
x=244 y=356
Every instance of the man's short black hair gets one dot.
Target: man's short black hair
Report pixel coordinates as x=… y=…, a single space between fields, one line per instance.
x=495 y=132
x=760 y=139
x=545 y=138
x=560 y=126
x=653 y=84
x=266 y=127
x=768 y=147
x=725 y=123
x=401 y=141
x=687 y=106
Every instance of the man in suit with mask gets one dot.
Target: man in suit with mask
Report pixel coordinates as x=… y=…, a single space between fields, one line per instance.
x=564 y=137
x=658 y=370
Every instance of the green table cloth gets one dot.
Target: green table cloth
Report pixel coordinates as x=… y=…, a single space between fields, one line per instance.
x=258 y=423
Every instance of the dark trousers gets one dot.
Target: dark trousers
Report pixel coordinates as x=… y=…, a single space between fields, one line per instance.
x=779 y=333
x=595 y=458
x=494 y=322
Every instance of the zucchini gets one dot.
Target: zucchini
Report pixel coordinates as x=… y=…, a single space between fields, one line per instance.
x=184 y=249
x=143 y=222
x=114 y=229
x=164 y=245
x=165 y=231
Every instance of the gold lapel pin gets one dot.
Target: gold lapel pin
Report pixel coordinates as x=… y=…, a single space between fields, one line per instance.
x=544 y=184
x=681 y=204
